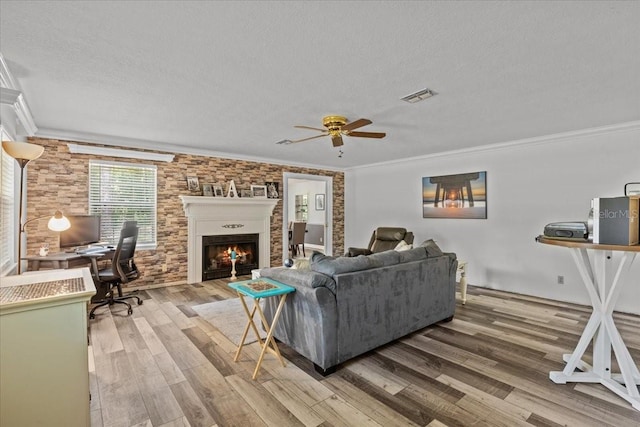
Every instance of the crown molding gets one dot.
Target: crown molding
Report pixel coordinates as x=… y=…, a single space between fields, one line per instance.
x=546 y=139
x=9 y=96
x=24 y=116
x=12 y=95
x=6 y=78
x=118 y=141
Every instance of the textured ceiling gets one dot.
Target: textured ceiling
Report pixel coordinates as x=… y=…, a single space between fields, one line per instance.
x=235 y=77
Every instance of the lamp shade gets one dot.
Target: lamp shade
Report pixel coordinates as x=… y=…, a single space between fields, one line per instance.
x=59 y=222
x=22 y=150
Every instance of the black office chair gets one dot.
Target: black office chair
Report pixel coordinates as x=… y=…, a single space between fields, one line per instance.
x=122 y=270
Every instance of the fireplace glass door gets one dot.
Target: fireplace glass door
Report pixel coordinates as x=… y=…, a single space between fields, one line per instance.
x=217 y=253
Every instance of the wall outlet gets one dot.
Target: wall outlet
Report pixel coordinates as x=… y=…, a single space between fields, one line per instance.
x=164 y=268
x=560 y=280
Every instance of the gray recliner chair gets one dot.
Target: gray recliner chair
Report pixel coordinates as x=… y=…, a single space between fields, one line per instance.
x=383 y=239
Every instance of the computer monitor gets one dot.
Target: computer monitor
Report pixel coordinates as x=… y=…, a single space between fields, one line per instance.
x=84 y=230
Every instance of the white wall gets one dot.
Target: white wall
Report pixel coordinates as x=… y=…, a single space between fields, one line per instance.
x=529 y=185
x=310 y=188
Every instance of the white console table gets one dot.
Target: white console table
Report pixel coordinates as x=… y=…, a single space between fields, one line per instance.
x=44 y=372
x=600 y=328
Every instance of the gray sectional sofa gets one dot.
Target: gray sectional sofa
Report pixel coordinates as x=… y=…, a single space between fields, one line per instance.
x=344 y=307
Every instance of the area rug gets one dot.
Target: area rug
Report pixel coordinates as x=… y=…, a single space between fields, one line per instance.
x=229 y=318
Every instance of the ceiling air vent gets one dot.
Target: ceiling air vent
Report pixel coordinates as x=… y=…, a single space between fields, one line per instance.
x=418 y=96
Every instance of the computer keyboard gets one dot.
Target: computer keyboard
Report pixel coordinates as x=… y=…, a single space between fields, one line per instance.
x=91 y=251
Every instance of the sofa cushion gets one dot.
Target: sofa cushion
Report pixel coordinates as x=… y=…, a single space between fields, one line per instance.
x=414 y=254
x=310 y=279
x=384 y=259
x=331 y=266
x=403 y=246
x=433 y=250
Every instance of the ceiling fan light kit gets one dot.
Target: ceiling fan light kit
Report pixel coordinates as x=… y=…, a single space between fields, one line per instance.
x=421 y=95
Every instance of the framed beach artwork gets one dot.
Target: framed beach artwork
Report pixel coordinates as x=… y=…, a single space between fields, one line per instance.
x=461 y=196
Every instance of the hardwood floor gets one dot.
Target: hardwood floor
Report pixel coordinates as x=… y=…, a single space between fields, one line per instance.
x=165 y=366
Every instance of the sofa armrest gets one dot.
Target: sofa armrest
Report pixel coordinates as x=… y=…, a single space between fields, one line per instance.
x=453 y=267
x=308 y=321
x=351 y=252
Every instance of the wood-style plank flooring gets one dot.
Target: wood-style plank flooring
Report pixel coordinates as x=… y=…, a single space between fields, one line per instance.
x=165 y=366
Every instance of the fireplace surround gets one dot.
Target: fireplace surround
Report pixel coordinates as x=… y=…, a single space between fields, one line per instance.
x=223 y=216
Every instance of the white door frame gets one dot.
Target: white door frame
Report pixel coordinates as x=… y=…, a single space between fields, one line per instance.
x=328 y=216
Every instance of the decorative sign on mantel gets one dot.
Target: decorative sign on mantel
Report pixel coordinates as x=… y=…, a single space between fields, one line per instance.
x=233 y=225
x=232 y=190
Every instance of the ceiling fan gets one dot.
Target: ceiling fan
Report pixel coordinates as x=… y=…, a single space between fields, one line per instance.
x=336 y=127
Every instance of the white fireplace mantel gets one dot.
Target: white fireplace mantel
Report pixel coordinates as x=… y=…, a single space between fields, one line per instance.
x=212 y=216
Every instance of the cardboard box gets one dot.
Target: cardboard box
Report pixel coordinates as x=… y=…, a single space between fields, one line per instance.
x=615 y=220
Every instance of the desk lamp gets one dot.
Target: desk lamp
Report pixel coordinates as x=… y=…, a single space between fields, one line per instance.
x=24 y=152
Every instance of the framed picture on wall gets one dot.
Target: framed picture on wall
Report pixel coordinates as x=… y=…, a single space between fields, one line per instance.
x=192 y=183
x=319 y=202
x=461 y=196
x=218 y=191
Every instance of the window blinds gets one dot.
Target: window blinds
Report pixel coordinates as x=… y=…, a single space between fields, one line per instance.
x=8 y=204
x=120 y=192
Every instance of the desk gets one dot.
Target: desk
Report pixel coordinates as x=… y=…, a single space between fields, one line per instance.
x=600 y=326
x=67 y=260
x=273 y=289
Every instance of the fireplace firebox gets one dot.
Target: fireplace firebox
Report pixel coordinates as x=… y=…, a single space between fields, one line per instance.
x=216 y=255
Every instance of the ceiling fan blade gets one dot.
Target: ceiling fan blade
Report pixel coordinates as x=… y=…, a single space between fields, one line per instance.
x=368 y=134
x=311 y=137
x=309 y=127
x=357 y=124
x=336 y=140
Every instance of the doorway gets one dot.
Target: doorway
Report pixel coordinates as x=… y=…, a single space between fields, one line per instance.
x=314 y=196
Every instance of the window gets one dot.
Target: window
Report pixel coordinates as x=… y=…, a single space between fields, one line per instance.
x=8 y=215
x=120 y=192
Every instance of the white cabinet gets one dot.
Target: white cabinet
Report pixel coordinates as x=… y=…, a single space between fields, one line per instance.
x=44 y=373
x=302 y=207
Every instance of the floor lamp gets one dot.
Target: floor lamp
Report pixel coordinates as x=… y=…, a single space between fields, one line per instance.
x=24 y=152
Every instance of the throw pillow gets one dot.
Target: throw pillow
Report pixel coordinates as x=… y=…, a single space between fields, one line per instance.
x=403 y=246
x=433 y=250
x=302 y=264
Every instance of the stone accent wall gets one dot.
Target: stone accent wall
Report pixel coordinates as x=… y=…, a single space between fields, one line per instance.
x=59 y=180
